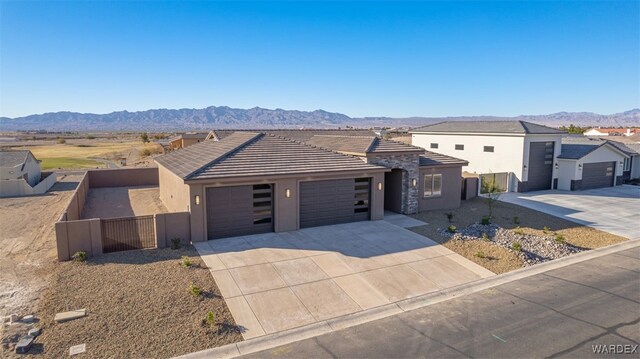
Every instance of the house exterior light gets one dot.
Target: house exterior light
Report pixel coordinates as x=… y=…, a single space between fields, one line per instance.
x=579 y=167
x=557 y=166
x=197 y=199
x=287 y=193
x=414 y=182
x=379 y=186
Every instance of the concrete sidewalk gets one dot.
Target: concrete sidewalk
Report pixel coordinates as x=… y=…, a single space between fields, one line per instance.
x=280 y=281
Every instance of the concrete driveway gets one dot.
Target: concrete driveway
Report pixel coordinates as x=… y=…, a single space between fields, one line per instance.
x=614 y=209
x=278 y=281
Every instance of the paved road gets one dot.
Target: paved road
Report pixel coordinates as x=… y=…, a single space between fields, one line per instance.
x=560 y=313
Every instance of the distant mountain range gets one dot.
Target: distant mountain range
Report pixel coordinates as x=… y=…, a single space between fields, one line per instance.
x=223 y=117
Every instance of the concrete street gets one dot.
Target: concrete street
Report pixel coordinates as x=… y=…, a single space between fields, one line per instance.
x=560 y=313
x=613 y=209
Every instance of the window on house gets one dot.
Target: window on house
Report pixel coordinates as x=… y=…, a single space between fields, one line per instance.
x=434 y=145
x=627 y=164
x=432 y=185
x=459 y=147
x=488 y=148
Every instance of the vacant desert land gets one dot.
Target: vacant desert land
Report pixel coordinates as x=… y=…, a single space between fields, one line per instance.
x=28 y=248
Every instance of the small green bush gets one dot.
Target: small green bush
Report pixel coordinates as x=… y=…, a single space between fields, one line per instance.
x=185 y=262
x=546 y=229
x=194 y=290
x=176 y=243
x=452 y=229
x=449 y=216
x=80 y=256
x=516 y=220
x=560 y=238
x=90 y=137
x=516 y=246
x=485 y=221
x=210 y=319
x=519 y=231
x=485 y=236
x=61 y=141
x=481 y=254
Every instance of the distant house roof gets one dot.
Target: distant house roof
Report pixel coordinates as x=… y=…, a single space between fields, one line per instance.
x=12 y=158
x=190 y=135
x=615 y=131
x=576 y=147
x=256 y=154
x=437 y=159
x=512 y=127
x=299 y=135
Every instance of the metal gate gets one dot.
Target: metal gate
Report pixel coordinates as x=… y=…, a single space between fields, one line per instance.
x=123 y=234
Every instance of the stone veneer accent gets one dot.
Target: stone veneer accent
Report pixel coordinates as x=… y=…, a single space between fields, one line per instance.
x=411 y=164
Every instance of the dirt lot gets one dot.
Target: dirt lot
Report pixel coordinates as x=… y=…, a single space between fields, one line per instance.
x=498 y=259
x=123 y=202
x=28 y=248
x=139 y=307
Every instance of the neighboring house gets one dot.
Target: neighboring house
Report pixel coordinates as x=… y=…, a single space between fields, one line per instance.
x=254 y=182
x=187 y=139
x=20 y=174
x=518 y=154
x=19 y=164
x=632 y=147
x=586 y=163
x=602 y=131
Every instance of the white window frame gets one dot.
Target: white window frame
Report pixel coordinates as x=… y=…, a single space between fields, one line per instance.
x=627 y=164
x=429 y=185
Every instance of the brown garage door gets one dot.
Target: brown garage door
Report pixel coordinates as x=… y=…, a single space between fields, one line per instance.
x=239 y=210
x=598 y=175
x=336 y=201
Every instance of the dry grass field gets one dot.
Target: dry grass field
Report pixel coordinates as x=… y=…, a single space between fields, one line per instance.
x=90 y=153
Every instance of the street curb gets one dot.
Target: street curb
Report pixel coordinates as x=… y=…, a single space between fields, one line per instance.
x=270 y=341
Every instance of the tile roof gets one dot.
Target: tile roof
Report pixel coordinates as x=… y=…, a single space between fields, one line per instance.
x=12 y=158
x=581 y=145
x=437 y=159
x=256 y=154
x=276 y=155
x=301 y=135
x=515 y=127
x=186 y=161
x=345 y=144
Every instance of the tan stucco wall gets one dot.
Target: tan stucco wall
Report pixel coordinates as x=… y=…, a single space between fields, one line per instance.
x=174 y=193
x=286 y=214
x=123 y=177
x=451 y=188
x=172 y=225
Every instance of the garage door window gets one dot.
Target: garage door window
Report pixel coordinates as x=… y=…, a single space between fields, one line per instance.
x=262 y=203
x=361 y=203
x=432 y=185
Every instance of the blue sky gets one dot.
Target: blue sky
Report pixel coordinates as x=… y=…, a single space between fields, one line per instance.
x=360 y=58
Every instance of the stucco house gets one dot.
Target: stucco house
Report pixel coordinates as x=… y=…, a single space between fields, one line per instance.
x=187 y=139
x=21 y=174
x=254 y=182
x=603 y=131
x=19 y=164
x=587 y=163
x=519 y=154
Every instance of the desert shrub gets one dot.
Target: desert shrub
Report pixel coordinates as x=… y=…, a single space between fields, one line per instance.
x=546 y=229
x=485 y=221
x=194 y=290
x=144 y=137
x=519 y=231
x=79 y=256
x=146 y=152
x=185 y=262
x=559 y=238
x=452 y=229
x=516 y=246
x=176 y=243
x=84 y=146
x=210 y=319
x=61 y=141
x=449 y=216
x=480 y=254
x=485 y=236
x=91 y=137
x=516 y=220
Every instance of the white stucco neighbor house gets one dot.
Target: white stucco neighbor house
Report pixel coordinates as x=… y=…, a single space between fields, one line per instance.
x=21 y=174
x=587 y=163
x=519 y=154
x=602 y=131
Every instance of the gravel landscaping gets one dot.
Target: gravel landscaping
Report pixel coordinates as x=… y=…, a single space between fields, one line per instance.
x=139 y=304
x=541 y=236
